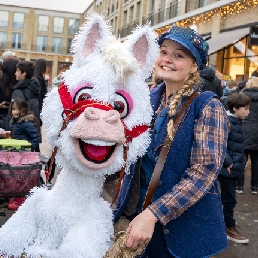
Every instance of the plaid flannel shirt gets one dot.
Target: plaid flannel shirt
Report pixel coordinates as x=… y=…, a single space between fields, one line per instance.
x=205 y=163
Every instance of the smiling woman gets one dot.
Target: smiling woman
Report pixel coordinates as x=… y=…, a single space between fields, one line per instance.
x=183 y=160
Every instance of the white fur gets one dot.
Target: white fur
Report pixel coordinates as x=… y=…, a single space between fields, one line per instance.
x=72 y=220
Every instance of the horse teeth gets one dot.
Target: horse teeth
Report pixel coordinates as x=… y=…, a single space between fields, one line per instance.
x=98 y=142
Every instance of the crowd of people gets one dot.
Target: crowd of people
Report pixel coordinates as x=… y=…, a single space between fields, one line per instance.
x=22 y=90
x=191 y=187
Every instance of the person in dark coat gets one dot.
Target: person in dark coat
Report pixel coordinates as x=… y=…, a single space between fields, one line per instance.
x=28 y=89
x=7 y=81
x=234 y=163
x=211 y=82
x=250 y=127
x=22 y=124
x=39 y=74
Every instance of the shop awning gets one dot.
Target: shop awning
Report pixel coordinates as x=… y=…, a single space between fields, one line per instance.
x=225 y=39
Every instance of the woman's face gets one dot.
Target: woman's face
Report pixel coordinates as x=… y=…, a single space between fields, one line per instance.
x=174 y=63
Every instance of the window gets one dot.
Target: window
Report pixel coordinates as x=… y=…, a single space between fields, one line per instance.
x=153 y=5
x=73 y=26
x=56 y=45
x=138 y=9
x=41 y=43
x=131 y=14
x=3 y=37
x=69 y=44
x=203 y=3
x=115 y=26
x=43 y=23
x=58 y=25
x=125 y=18
x=16 y=40
x=18 y=21
x=4 y=19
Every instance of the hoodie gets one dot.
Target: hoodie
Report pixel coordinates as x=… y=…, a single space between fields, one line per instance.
x=210 y=81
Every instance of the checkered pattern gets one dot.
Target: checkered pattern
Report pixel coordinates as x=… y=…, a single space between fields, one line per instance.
x=210 y=136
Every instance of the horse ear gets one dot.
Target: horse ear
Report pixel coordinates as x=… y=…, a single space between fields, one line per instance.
x=91 y=41
x=92 y=35
x=143 y=46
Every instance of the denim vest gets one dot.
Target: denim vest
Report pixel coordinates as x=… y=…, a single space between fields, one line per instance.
x=200 y=230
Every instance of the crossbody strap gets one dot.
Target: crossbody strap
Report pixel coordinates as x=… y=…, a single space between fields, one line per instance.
x=164 y=152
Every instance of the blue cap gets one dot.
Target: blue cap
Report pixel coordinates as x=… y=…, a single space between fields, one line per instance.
x=189 y=39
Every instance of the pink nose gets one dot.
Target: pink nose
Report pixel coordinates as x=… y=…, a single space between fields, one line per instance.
x=91 y=113
x=111 y=116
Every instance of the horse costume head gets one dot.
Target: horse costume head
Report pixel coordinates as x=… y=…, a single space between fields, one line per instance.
x=105 y=104
x=105 y=98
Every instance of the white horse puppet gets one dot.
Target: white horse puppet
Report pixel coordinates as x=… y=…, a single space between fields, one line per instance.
x=106 y=100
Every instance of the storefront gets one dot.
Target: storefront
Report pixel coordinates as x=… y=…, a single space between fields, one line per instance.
x=237 y=52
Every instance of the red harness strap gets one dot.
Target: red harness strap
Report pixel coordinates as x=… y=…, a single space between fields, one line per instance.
x=72 y=111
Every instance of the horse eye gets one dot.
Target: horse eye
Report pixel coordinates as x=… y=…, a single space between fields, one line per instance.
x=84 y=96
x=119 y=106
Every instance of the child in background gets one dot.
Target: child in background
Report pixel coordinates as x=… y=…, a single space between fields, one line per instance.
x=23 y=123
x=27 y=88
x=22 y=126
x=234 y=163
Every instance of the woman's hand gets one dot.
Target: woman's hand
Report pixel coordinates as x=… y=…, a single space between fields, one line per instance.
x=141 y=229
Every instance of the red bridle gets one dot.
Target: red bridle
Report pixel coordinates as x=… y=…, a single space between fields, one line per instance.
x=72 y=111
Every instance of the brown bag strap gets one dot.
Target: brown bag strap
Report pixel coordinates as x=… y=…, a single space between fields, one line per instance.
x=164 y=152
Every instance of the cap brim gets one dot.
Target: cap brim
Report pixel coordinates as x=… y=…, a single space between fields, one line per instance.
x=186 y=44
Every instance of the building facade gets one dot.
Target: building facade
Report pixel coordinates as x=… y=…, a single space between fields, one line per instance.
x=36 y=33
x=230 y=27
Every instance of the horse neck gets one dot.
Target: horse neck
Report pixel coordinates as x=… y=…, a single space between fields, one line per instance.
x=78 y=184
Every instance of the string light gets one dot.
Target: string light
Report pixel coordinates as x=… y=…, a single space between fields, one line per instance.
x=222 y=12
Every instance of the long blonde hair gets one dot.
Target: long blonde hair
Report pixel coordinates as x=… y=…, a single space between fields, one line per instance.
x=186 y=90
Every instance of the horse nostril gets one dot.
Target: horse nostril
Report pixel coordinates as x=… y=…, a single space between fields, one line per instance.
x=112 y=117
x=91 y=113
